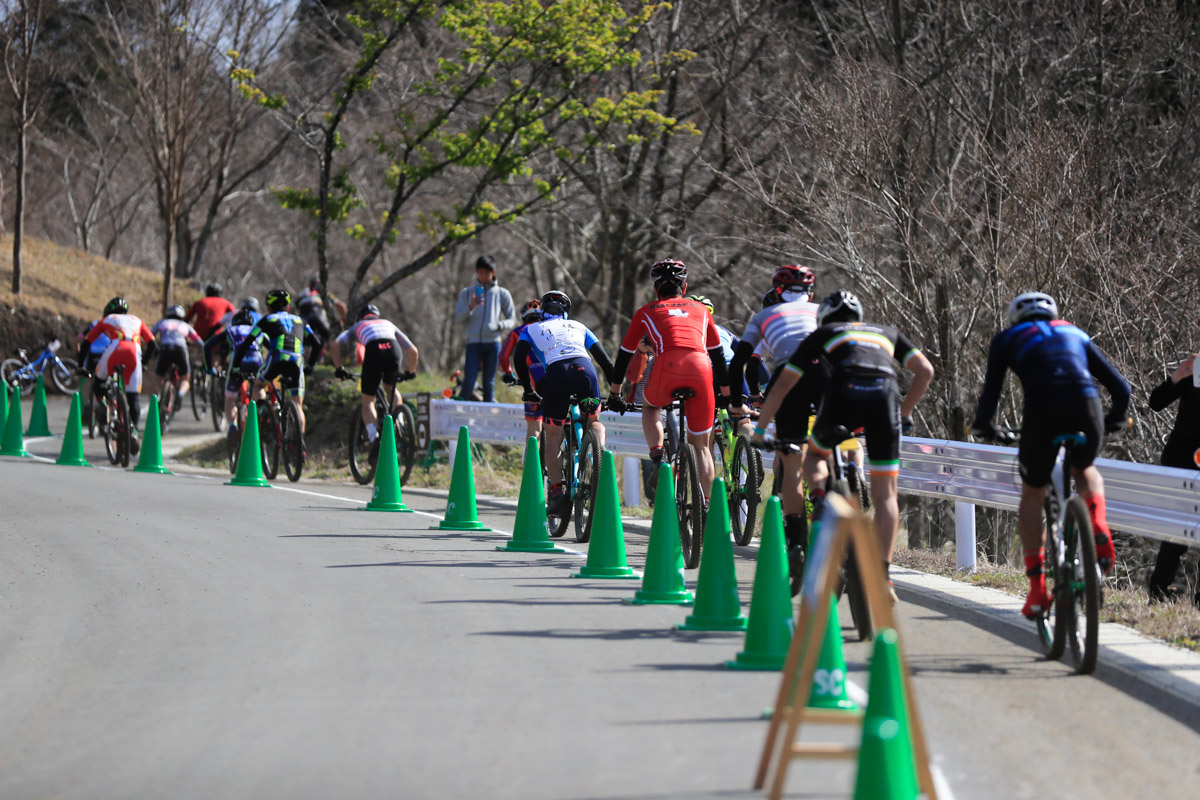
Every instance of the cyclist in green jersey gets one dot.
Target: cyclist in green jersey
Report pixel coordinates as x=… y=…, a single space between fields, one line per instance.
x=284 y=334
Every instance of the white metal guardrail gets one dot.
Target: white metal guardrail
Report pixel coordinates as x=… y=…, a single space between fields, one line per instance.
x=1156 y=502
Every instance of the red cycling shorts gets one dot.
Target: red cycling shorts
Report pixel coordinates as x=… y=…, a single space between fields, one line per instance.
x=684 y=369
x=124 y=354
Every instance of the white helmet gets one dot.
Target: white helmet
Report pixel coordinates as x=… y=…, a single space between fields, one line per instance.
x=1032 y=305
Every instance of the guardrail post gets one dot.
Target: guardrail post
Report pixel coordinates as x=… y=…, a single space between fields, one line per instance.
x=964 y=535
x=633 y=481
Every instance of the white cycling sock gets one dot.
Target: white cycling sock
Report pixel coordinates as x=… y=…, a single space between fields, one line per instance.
x=371 y=431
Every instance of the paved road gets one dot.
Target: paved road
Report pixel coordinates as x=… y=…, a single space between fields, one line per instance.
x=172 y=636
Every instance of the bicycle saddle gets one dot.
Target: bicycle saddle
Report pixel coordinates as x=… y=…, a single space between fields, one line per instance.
x=1070 y=440
x=683 y=394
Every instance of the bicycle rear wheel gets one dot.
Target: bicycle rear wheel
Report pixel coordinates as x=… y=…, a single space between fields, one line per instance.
x=1052 y=625
x=690 y=504
x=216 y=401
x=1080 y=602
x=744 y=482
x=269 y=434
x=362 y=466
x=122 y=433
x=106 y=412
x=293 y=443
x=857 y=482
x=233 y=448
x=558 y=522
x=860 y=612
x=199 y=394
x=406 y=442
x=64 y=374
x=589 y=485
x=167 y=401
x=15 y=372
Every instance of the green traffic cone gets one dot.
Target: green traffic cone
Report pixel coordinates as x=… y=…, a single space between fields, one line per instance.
x=769 y=631
x=461 y=512
x=387 y=496
x=3 y=406
x=72 y=445
x=39 y=423
x=150 y=458
x=663 y=582
x=887 y=694
x=829 y=677
x=606 y=554
x=530 y=534
x=717 y=606
x=885 y=762
x=249 y=466
x=13 y=444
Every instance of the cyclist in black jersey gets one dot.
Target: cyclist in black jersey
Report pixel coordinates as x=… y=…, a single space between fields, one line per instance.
x=284 y=334
x=861 y=392
x=1055 y=362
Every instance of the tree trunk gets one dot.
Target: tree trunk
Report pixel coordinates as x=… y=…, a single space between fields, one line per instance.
x=168 y=273
x=19 y=204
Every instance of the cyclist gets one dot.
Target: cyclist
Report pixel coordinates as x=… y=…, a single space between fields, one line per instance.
x=531 y=312
x=1055 y=362
x=729 y=342
x=89 y=357
x=126 y=334
x=284 y=333
x=688 y=354
x=861 y=391
x=173 y=335
x=561 y=345
x=311 y=309
x=248 y=304
x=382 y=342
x=787 y=318
x=205 y=314
x=227 y=341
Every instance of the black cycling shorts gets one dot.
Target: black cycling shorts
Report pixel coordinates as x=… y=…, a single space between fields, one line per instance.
x=1040 y=426
x=571 y=376
x=871 y=403
x=791 y=421
x=381 y=362
x=171 y=355
x=289 y=372
x=235 y=378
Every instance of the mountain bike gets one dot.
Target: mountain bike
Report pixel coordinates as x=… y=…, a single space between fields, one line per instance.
x=233 y=438
x=742 y=468
x=280 y=435
x=363 y=452
x=111 y=416
x=689 y=499
x=168 y=397
x=847 y=480
x=200 y=393
x=579 y=455
x=22 y=373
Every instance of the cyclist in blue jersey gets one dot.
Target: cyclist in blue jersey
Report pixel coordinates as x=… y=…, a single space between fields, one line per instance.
x=1055 y=362
x=284 y=334
x=561 y=346
x=226 y=341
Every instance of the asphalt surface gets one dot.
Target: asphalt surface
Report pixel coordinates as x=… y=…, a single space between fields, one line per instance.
x=170 y=636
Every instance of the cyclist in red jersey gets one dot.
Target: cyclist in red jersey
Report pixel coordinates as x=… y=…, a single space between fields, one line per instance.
x=125 y=334
x=688 y=353
x=205 y=314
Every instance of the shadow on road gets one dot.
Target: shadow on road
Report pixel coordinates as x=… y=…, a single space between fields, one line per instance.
x=563 y=633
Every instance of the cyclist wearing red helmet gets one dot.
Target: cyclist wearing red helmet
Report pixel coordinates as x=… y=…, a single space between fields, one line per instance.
x=530 y=313
x=688 y=353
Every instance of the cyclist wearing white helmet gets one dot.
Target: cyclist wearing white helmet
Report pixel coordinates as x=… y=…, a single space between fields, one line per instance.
x=172 y=335
x=1055 y=362
x=862 y=391
x=382 y=344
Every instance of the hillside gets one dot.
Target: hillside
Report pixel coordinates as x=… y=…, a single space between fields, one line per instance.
x=64 y=289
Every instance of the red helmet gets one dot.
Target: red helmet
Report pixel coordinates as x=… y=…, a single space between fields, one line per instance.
x=791 y=277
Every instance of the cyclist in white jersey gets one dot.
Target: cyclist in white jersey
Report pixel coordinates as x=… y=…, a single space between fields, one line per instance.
x=382 y=342
x=563 y=346
x=172 y=335
x=780 y=328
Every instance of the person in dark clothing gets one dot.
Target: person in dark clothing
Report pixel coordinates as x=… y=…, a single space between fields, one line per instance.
x=1181 y=448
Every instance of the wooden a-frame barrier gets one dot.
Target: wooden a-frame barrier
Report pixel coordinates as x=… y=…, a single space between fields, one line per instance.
x=841 y=524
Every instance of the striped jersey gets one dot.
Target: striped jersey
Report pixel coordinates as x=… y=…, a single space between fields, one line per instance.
x=854 y=349
x=175 y=333
x=779 y=329
x=373 y=330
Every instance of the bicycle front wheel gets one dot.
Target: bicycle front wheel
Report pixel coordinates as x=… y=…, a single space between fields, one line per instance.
x=64 y=374
x=1080 y=603
x=690 y=504
x=293 y=443
x=269 y=435
x=589 y=485
x=362 y=466
x=406 y=442
x=745 y=480
x=559 y=517
x=15 y=372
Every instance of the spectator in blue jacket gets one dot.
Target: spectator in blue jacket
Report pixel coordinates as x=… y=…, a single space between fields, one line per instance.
x=486 y=310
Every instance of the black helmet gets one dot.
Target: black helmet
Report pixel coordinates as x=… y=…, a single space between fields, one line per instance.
x=243 y=316
x=213 y=290
x=116 y=306
x=251 y=304
x=770 y=298
x=278 y=299
x=838 y=307
x=556 y=303
x=367 y=310
x=175 y=312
